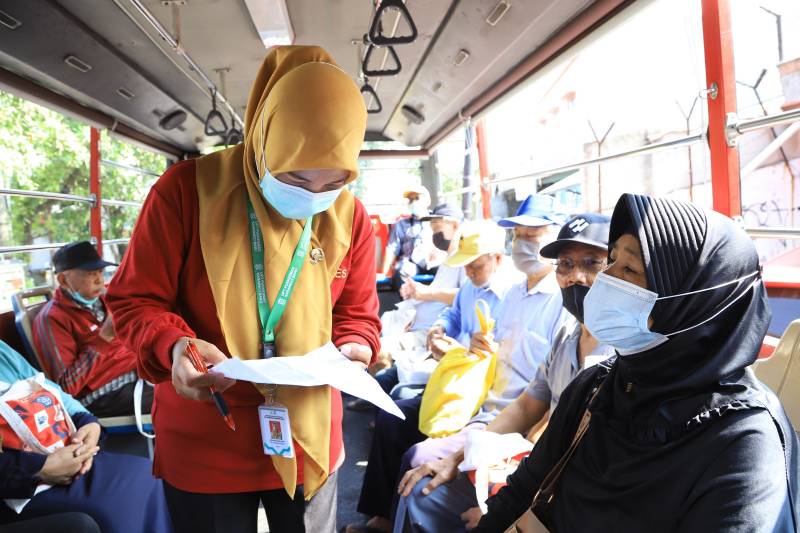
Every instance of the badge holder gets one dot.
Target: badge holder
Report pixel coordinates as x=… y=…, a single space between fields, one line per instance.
x=276 y=433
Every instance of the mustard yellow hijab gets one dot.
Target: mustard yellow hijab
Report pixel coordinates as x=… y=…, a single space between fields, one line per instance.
x=303 y=113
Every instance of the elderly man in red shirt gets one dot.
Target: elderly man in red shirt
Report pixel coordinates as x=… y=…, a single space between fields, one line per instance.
x=75 y=339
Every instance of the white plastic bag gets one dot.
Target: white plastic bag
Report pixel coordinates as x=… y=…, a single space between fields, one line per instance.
x=485 y=451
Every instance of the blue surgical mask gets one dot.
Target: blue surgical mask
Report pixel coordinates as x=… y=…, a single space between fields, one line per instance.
x=88 y=302
x=295 y=202
x=616 y=313
x=525 y=255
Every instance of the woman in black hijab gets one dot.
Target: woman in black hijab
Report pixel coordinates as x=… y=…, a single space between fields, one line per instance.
x=682 y=436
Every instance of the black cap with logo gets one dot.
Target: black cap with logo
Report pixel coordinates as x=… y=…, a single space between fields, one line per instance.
x=590 y=229
x=78 y=255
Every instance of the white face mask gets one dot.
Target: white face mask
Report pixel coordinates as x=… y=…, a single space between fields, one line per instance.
x=616 y=313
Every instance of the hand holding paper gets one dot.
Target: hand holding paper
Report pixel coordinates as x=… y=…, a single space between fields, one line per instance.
x=323 y=366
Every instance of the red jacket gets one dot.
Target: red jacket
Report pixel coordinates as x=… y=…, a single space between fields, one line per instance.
x=161 y=293
x=67 y=337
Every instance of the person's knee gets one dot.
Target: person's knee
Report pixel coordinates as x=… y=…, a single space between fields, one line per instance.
x=78 y=523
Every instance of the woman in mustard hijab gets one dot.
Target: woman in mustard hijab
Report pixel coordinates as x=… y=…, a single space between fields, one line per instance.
x=217 y=240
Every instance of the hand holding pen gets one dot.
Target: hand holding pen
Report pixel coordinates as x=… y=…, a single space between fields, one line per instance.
x=191 y=383
x=200 y=365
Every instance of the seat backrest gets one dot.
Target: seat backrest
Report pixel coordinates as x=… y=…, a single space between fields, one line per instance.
x=781 y=372
x=25 y=314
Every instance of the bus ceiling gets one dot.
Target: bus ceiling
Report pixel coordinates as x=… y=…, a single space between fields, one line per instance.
x=150 y=70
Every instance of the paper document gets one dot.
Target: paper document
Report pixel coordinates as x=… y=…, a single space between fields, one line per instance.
x=18 y=504
x=324 y=366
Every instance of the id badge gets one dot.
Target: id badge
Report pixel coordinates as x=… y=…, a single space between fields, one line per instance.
x=276 y=433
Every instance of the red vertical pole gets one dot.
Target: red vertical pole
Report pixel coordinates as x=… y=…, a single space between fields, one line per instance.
x=718 y=44
x=95 y=219
x=483 y=163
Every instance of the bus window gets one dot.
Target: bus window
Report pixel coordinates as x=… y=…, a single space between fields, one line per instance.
x=46 y=152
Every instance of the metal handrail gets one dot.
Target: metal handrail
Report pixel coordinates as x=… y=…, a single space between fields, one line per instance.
x=773 y=233
x=646 y=149
x=67 y=197
x=116 y=241
x=138 y=170
x=120 y=203
x=31 y=247
x=462 y=190
x=48 y=195
x=752 y=124
x=51 y=246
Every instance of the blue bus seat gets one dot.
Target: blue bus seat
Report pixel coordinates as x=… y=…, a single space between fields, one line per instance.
x=25 y=314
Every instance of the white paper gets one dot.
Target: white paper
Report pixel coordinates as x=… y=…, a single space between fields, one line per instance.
x=324 y=366
x=18 y=504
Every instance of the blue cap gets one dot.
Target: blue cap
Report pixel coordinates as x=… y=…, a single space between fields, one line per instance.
x=445 y=211
x=537 y=210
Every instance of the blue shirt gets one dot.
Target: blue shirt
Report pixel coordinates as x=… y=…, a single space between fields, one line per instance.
x=459 y=320
x=562 y=366
x=528 y=322
x=406 y=239
x=427 y=312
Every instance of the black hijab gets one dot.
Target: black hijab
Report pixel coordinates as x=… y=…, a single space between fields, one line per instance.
x=686 y=249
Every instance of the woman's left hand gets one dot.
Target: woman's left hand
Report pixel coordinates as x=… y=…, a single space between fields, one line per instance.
x=357 y=353
x=86 y=436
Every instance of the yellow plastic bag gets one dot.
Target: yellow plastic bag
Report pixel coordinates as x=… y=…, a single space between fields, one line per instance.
x=459 y=385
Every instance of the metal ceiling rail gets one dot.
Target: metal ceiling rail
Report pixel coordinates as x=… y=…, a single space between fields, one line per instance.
x=48 y=195
x=138 y=170
x=31 y=247
x=164 y=34
x=773 y=233
x=646 y=149
x=736 y=127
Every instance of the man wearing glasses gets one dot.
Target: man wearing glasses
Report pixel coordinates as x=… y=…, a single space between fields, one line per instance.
x=581 y=251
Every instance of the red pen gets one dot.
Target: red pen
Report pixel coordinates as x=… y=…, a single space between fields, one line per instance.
x=200 y=365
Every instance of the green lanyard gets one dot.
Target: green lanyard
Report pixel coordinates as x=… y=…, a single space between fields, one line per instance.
x=270 y=318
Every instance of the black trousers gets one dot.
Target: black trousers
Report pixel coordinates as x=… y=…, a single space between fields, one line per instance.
x=238 y=512
x=390 y=440
x=61 y=522
x=120 y=401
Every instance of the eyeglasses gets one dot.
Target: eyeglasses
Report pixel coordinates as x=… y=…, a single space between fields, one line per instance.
x=589 y=265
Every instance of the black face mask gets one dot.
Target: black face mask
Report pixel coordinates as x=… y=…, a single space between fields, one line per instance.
x=572 y=300
x=440 y=242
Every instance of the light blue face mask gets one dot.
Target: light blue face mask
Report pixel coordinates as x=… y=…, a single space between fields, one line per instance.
x=616 y=313
x=418 y=208
x=88 y=302
x=295 y=202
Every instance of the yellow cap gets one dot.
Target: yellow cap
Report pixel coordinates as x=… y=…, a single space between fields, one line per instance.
x=477 y=239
